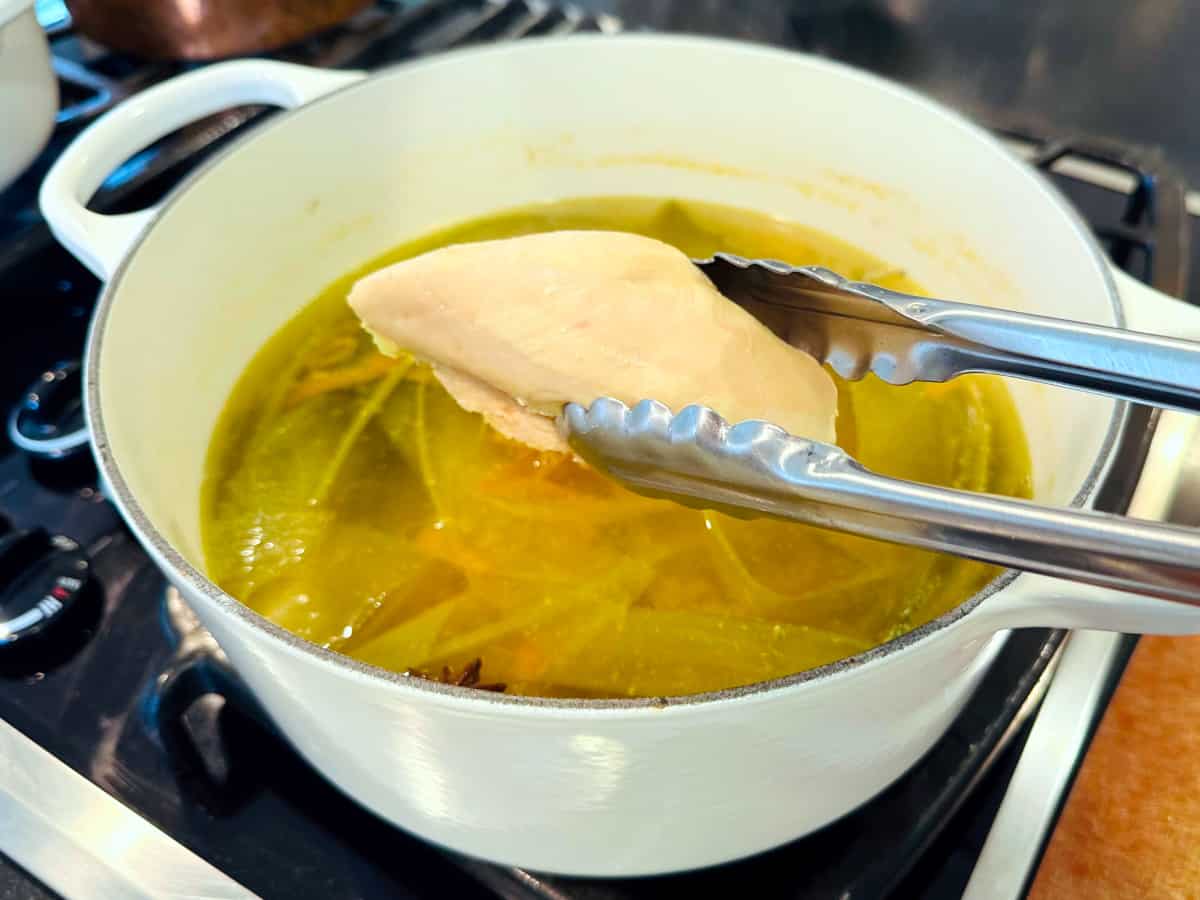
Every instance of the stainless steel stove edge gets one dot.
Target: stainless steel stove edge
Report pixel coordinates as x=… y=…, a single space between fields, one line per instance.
x=82 y=843
x=1074 y=699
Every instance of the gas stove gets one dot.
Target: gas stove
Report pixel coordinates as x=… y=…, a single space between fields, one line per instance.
x=135 y=765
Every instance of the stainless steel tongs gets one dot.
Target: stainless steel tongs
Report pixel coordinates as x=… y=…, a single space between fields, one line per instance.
x=695 y=457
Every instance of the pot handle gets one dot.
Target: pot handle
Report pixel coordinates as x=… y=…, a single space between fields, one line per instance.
x=1037 y=601
x=1154 y=312
x=101 y=242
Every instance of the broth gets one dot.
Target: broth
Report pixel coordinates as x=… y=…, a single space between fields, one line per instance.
x=349 y=499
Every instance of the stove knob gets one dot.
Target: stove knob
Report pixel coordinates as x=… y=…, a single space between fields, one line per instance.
x=48 y=420
x=42 y=582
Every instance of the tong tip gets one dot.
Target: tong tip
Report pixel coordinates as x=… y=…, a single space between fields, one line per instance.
x=697 y=439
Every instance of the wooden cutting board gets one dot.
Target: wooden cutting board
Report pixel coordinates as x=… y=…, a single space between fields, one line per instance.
x=1131 y=824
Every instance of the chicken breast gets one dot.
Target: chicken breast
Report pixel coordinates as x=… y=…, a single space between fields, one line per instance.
x=517 y=328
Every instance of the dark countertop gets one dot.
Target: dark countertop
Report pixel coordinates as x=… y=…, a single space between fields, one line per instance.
x=16 y=884
x=1124 y=69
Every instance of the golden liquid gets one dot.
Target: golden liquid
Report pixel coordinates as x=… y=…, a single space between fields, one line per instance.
x=351 y=500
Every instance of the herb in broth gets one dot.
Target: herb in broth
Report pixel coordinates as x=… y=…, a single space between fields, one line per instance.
x=351 y=500
x=469 y=677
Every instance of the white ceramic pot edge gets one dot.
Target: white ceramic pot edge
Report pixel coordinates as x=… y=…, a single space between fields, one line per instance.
x=28 y=89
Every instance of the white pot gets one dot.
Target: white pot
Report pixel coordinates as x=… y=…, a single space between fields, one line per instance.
x=28 y=89
x=578 y=787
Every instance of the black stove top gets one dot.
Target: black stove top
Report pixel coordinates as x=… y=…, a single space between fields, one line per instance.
x=122 y=686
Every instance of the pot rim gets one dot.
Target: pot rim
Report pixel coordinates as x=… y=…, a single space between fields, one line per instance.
x=10 y=10
x=169 y=559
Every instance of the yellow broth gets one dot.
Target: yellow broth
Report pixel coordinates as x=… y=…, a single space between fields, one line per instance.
x=349 y=499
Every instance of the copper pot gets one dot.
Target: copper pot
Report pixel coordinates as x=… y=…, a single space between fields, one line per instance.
x=205 y=29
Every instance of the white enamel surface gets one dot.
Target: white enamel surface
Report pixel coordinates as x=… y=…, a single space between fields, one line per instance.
x=28 y=90
x=612 y=792
x=586 y=790
x=101 y=242
x=10 y=9
x=1156 y=313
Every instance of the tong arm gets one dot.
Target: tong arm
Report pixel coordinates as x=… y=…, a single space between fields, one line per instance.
x=754 y=468
x=857 y=327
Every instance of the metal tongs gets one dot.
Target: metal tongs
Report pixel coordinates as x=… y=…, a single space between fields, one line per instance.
x=754 y=468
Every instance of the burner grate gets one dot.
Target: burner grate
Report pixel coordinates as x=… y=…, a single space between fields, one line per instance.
x=1149 y=238
x=94 y=78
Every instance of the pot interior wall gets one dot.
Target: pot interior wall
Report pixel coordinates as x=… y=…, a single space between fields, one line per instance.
x=320 y=192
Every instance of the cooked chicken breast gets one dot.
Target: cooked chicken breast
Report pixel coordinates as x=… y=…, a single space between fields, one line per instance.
x=517 y=328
